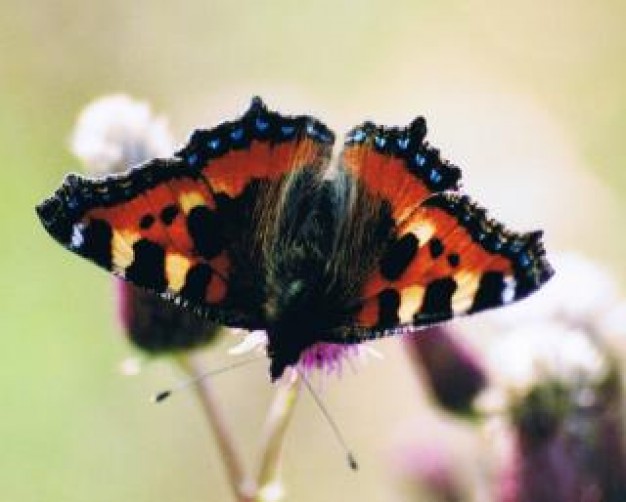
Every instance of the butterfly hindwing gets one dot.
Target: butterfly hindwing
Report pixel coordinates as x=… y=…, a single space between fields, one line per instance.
x=442 y=256
x=189 y=227
x=448 y=259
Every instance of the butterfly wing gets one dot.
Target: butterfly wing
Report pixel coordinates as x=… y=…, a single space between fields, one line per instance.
x=442 y=255
x=192 y=228
x=397 y=165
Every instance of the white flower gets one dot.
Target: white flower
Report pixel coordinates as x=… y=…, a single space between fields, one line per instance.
x=612 y=326
x=116 y=132
x=540 y=352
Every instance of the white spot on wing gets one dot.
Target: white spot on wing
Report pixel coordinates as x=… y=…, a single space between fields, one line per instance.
x=77 y=236
x=508 y=293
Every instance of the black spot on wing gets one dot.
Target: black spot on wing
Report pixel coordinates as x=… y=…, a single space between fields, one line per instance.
x=489 y=292
x=96 y=244
x=196 y=282
x=146 y=221
x=454 y=259
x=436 y=247
x=398 y=257
x=148 y=267
x=206 y=232
x=388 y=305
x=169 y=213
x=437 y=302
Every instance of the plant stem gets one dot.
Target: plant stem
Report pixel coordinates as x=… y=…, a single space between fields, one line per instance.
x=192 y=364
x=278 y=420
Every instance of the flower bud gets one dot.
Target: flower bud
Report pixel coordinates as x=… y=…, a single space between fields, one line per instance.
x=450 y=370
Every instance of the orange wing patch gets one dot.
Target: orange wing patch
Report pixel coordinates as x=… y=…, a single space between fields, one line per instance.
x=165 y=238
x=397 y=165
x=262 y=145
x=232 y=173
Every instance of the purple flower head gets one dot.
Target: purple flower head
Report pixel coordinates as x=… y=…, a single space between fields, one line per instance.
x=567 y=445
x=558 y=377
x=451 y=371
x=540 y=414
x=155 y=325
x=327 y=357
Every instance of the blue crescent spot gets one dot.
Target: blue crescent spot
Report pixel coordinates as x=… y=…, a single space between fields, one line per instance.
x=261 y=124
x=72 y=203
x=380 y=141
x=192 y=159
x=214 y=143
x=237 y=134
x=358 y=136
x=435 y=176
x=516 y=246
x=324 y=137
x=524 y=260
x=287 y=130
x=403 y=143
x=420 y=160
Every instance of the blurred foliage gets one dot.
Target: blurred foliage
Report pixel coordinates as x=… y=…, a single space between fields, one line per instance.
x=71 y=429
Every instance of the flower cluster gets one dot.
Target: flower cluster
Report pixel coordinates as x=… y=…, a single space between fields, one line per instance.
x=548 y=386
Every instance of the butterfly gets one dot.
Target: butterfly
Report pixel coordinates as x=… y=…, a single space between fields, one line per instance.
x=252 y=226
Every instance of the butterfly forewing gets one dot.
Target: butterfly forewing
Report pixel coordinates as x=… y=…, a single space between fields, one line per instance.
x=188 y=228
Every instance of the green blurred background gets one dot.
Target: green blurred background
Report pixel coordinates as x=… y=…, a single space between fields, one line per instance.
x=528 y=97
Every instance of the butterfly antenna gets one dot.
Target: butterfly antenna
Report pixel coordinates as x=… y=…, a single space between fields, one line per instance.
x=163 y=395
x=350 y=457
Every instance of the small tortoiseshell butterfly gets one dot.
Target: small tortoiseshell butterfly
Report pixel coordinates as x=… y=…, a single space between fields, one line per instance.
x=250 y=225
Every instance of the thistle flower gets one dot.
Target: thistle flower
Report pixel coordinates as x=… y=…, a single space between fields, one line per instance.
x=116 y=132
x=567 y=445
x=453 y=374
x=541 y=352
x=326 y=358
x=158 y=326
x=559 y=383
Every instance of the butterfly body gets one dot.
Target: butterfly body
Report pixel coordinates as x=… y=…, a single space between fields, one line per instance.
x=250 y=225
